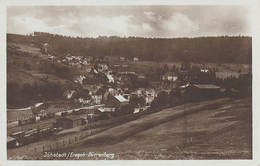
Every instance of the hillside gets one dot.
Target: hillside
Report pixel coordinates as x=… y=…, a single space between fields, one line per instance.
x=223 y=49
x=222 y=131
x=30 y=73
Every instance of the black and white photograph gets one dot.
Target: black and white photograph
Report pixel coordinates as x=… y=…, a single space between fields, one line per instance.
x=138 y=82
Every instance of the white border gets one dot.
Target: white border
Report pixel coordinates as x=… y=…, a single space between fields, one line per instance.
x=254 y=5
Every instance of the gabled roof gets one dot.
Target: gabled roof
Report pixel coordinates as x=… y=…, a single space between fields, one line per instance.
x=120 y=98
x=208 y=86
x=9 y=139
x=110 y=78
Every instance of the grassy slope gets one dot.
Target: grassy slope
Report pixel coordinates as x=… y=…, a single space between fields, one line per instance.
x=21 y=77
x=223 y=133
x=218 y=133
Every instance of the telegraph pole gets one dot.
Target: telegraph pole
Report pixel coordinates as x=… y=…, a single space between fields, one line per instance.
x=185 y=122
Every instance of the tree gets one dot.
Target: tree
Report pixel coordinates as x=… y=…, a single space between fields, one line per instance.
x=28 y=67
x=125 y=110
x=135 y=100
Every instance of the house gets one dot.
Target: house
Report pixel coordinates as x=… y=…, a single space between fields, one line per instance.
x=86 y=62
x=110 y=78
x=112 y=91
x=169 y=76
x=78 y=58
x=127 y=95
x=204 y=70
x=83 y=101
x=141 y=76
x=140 y=92
x=79 y=79
x=115 y=101
x=103 y=112
x=97 y=99
x=121 y=59
x=68 y=94
x=150 y=95
x=69 y=122
x=51 y=57
x=136 y=59
x=79 y=65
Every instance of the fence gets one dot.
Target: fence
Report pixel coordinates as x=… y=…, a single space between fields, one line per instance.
x=61 y=143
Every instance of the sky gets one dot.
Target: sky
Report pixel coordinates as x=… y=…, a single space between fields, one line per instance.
x=143 y=21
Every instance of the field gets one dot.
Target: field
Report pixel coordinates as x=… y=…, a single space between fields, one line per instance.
x=224 y=70
x=222 y=131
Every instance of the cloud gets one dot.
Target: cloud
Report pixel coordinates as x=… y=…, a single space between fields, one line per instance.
x=176 y=24
x=119 y=25
x=181 y=24
x=145 y=21
x=152 y=17
x=146 y=26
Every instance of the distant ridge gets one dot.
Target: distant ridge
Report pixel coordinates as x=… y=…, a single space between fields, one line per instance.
x=221 y=49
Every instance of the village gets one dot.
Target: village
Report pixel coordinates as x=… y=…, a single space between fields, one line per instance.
x=112 y=91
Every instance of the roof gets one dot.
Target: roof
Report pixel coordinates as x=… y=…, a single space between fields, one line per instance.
x=105 y=109
x=18 y=132
x=120 y=98
x=150 y=90
x=110 y=78
x=9 y=139
x=185 y=86
x=73 y=117
x=209 y=86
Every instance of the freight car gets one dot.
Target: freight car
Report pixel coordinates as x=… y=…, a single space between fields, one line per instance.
x=26 y=121
x=47 y=116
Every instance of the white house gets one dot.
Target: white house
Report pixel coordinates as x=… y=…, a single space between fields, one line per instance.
x=170 y=76
x=110 y=78
x=204 y=70
x=68 y=94
x=150 y=95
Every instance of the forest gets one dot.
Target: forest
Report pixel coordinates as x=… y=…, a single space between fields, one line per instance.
x=221 y=49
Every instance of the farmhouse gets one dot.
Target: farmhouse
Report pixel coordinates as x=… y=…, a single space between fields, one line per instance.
x=121 y=59
x=69 y=122
x=115 y=101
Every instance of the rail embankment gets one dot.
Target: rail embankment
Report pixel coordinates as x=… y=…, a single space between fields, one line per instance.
x=126 y=130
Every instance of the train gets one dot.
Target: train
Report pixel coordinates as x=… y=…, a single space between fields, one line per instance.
x=30 y=120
